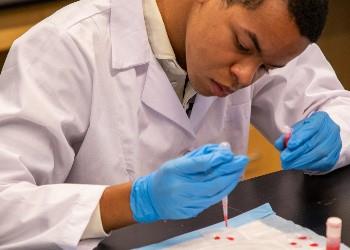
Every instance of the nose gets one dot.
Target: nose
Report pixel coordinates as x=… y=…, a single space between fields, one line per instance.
x=245 y=70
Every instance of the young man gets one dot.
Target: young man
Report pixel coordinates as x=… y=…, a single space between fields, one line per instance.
x=95 y=98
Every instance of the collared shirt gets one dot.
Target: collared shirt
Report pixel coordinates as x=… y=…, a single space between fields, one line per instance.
x=163 y=51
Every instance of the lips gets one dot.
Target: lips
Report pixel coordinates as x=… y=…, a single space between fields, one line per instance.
x=220 y=90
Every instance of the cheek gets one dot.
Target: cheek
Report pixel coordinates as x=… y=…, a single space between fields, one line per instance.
x=209 y=48
x=195 y=55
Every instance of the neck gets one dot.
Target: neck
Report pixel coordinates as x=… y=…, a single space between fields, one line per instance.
x=175 y=15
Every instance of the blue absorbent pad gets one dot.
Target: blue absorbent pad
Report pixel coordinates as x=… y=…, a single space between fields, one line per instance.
x=259 y=228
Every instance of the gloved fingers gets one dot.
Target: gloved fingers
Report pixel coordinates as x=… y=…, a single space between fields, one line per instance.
x=197 y=165
x=301 y=131
x=318 y=140
x=326 y=131
x=327 y=163
x=279 y=143
x=307 y=128
x=316 y=148
x=322 y=157
x=188 y=212
x=236 y=166
x=321 y=165
x=211 y=188
x=303 y=161
x=205 y=149
x=207 y=201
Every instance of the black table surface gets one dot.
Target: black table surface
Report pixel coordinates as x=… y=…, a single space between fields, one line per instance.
x=306 y=200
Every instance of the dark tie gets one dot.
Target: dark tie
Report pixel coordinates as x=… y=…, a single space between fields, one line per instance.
x=190 y=105
x=190 y=101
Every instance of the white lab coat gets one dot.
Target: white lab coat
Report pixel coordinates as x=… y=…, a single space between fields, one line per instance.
x=84 y=101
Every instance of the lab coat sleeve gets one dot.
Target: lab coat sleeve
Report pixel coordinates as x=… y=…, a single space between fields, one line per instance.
x=45 y=98
x=307 y=84
x=94 y=229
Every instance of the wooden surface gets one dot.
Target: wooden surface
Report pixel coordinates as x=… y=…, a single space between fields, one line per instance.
x=265 y=158
x=17 y=19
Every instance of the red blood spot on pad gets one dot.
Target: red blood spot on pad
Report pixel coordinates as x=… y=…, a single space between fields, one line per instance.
x=302 y=238
x=293 y=243
x=230 y=238
x=313 y=245
x=217 y=238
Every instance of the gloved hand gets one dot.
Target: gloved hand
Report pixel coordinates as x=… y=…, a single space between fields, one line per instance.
x=314 y=144
x=184 y=187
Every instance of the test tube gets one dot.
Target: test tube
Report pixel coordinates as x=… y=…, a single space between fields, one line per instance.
x=333 y=233
x=287 y=131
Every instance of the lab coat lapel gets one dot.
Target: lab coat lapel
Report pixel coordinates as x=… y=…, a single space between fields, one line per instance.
x=200 y=109
x=159 y=95
x=130 y=45
x=130 y=48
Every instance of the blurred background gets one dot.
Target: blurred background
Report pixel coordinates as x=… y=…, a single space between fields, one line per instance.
x=17 y=16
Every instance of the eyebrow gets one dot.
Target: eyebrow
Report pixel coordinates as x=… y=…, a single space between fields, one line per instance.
x=256 y=43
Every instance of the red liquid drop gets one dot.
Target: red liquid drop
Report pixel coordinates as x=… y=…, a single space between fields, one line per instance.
x=302 y=238
x=333 y=247
x=293 y=243
x=313 y=245
x=217 y=238
x=230 y=238
x=333 y=244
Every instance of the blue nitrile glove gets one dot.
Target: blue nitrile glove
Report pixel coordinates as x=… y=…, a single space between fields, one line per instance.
x=184 y=187
x=314 y=145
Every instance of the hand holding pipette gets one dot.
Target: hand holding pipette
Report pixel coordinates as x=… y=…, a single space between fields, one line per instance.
x=183 y=187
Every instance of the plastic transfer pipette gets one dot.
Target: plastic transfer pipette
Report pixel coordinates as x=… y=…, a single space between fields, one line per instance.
x=225 y=199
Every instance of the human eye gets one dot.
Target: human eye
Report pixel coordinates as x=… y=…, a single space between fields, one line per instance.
x=241 y=47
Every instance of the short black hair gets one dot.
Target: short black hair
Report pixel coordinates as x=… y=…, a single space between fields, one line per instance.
x=309 y=15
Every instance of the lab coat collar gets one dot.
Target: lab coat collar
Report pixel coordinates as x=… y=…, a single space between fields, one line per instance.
x=157 y=34
x=130 y=46
x=159 y=95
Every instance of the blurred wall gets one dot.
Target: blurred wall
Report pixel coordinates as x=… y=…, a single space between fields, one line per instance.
x=335 y=41
x=18 y=18
x=2 y=58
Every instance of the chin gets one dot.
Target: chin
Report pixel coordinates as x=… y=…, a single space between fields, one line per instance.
x=202 y=92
